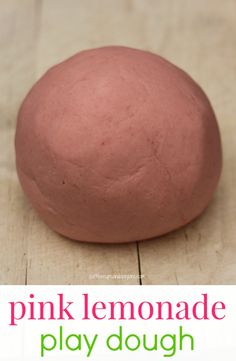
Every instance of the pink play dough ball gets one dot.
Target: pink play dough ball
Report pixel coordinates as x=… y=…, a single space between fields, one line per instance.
x=116 y=145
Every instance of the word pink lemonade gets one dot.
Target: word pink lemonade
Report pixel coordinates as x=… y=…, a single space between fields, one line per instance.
x=86 y=309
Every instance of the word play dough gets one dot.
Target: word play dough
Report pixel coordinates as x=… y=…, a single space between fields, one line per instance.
x=116 y=145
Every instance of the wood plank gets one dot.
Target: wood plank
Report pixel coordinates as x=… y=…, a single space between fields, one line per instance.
x=18 y=27
x=198 y=36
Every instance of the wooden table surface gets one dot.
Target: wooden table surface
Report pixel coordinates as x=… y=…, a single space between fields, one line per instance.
x=200 y=37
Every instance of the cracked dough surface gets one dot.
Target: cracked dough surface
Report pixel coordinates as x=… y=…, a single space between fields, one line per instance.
x=116 y=145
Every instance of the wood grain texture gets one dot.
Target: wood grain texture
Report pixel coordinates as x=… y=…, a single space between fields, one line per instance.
x=16 y=75
x=199 y=36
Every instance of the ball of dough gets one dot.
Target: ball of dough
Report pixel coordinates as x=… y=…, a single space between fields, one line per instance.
x=116 y=145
